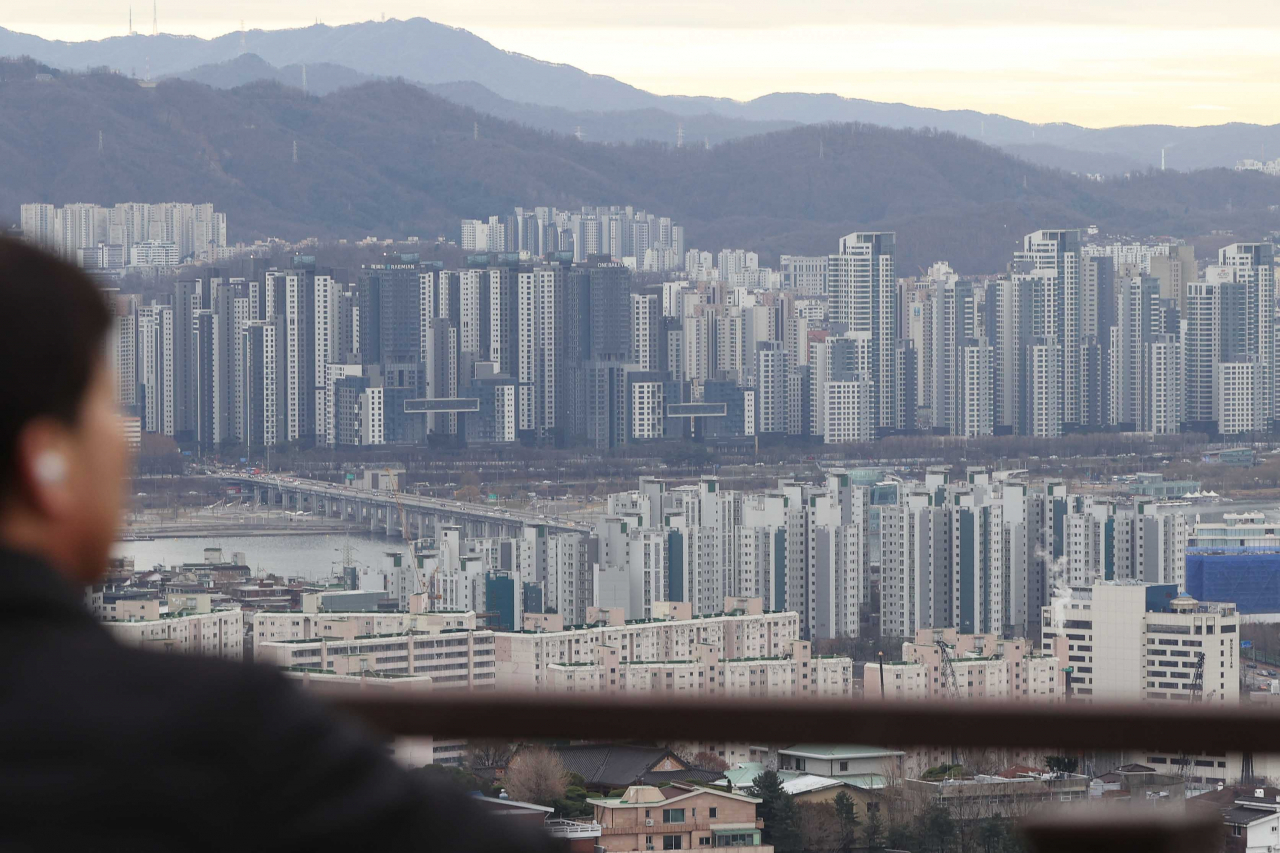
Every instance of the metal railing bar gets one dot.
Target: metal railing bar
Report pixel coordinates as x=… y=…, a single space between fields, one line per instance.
x=1186 y=729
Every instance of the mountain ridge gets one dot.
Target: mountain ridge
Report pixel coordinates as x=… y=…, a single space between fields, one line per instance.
x=429 y=53
x=596 y=126
x=390 y=158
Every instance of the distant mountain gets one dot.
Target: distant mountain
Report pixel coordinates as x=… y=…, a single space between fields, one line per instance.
x=429 y=53
x=321 y=78
x=612 y=126
x=393 y=159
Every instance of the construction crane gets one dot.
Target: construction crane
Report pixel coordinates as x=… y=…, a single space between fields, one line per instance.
x=424 y=585
x=1197 y=680
x=1197 y=695
x=950 y=684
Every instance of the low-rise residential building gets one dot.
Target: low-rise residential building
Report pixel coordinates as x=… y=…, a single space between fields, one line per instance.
x=273 y=626
x=525 y=659
x=797 y=673
x=132 y=605
x=1253 y=824
x=606 y=767
x=744 y=652
x=677 y=817
x=816 y=773
x=219 y=633
x=453 y=658
x=984 y=667
x=840 y=760
x=867 y=790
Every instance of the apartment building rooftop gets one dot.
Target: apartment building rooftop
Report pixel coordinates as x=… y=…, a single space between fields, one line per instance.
x=619 y=765
x=744 y=775
x=639 y=796
x=382 y=676
x=696 y=617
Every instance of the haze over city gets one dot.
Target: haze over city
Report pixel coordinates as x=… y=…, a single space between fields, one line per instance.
x=1091 y=63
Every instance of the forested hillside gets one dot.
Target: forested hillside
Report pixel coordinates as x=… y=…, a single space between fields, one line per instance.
x=391 y=159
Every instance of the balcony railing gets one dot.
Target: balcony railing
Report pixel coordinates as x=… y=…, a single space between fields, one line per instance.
x=572 y=829
x=1189 y=729
x=660 y=828
x=1184 y=728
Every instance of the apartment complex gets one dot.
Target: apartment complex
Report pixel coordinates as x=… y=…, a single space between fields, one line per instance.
x=542 y=659
x=545 y=334
x=796 y=673
x=452 y=657
x=215 y=633
x=133 y=234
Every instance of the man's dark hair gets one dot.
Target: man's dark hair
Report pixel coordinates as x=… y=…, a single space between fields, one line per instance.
x=56 y=321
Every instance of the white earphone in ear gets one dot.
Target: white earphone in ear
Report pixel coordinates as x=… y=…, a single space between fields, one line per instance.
x=51 y=468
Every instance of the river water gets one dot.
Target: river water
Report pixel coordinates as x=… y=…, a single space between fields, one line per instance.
x=311 y=556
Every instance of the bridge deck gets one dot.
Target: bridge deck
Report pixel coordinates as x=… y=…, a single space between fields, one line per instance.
x=411 y=502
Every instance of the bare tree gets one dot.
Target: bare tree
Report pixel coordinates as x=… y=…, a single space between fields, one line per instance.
x=536 y=775
x=709 y=761
x=982 y=760
x=487 y=752
x=470 y=494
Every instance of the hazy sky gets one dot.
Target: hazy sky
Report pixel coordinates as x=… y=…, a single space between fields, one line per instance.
x=1092 y=62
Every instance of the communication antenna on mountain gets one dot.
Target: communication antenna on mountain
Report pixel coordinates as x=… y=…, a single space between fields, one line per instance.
x=1162 y=159
x=295 y=151
x=680 y=135
x=155 y=19
x=304 y=78
x=130 y=20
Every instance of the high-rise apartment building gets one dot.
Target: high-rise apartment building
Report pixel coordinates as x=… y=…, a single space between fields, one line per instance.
x=863 y=290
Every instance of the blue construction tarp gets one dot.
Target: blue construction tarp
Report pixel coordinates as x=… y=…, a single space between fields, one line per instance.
x=1250 y=581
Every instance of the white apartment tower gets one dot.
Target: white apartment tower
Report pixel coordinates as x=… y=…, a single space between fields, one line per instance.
x=864 y=296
